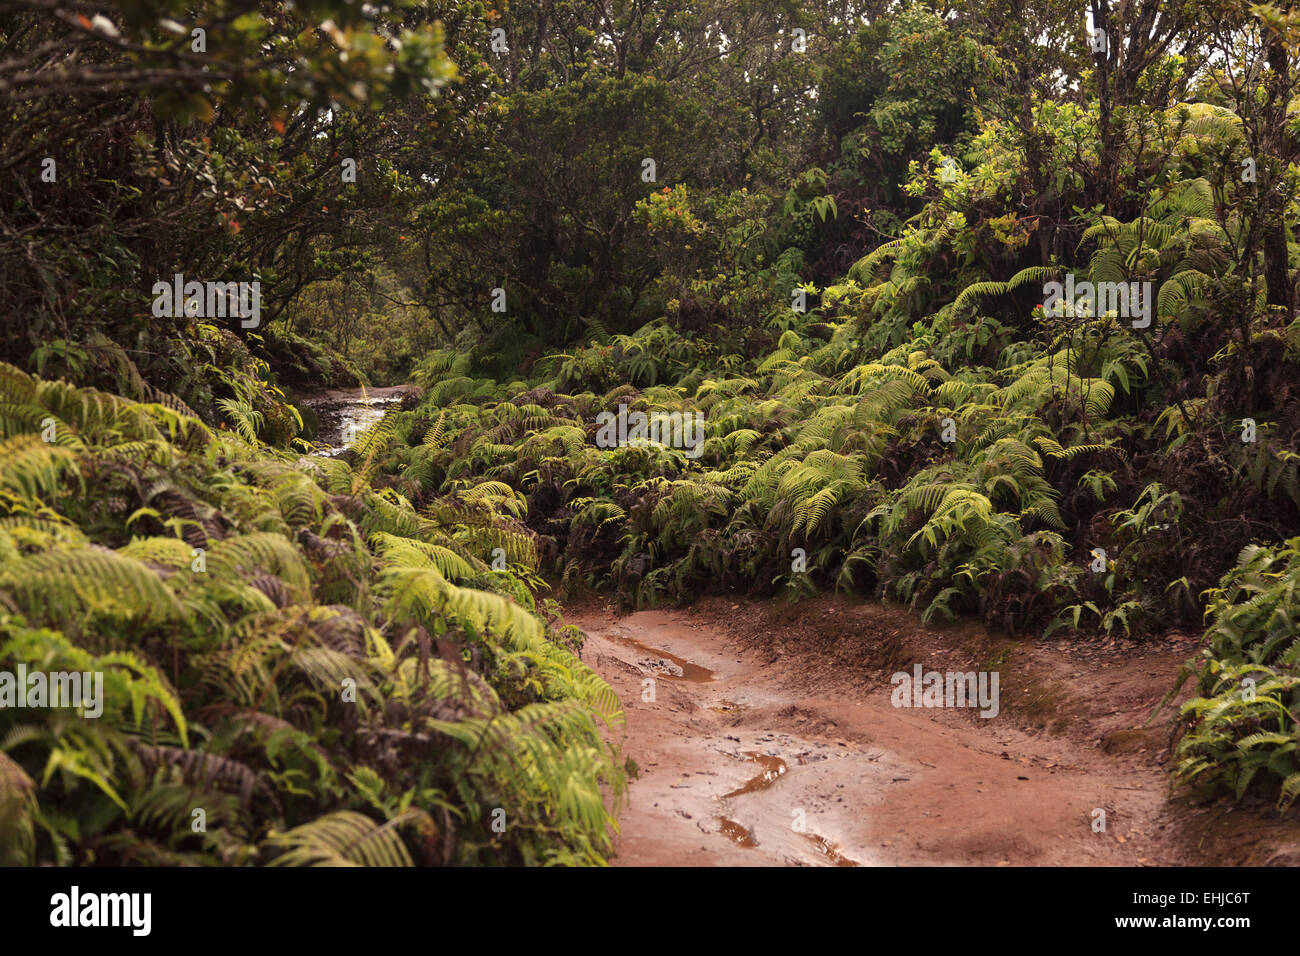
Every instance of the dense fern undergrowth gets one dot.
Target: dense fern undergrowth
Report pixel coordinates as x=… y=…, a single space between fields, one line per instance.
x=1049 y=477
x=299 y=667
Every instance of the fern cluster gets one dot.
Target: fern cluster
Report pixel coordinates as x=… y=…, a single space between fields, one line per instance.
x=929 y=432
x=301 y=664
x=1244 y=724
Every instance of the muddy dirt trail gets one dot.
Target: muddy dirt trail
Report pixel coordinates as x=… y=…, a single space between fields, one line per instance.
x=764 y=735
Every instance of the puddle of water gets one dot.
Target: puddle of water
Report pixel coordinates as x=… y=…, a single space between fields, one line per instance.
x=829 y=850
x=692 y=673
x=737 y=834
x=354 y=417
x=773 y=767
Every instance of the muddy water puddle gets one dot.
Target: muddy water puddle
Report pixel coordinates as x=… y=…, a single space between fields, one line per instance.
x=783 y=842
x=737 y=833
x=353 y=419
x=773 y=768
x=829 y=850
x=677 y=668
x=343 y=414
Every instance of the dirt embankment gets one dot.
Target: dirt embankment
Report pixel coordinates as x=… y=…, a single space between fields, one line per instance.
x=764 y=734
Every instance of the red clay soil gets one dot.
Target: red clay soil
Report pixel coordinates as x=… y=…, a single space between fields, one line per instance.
x=763 y=735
